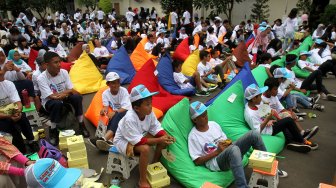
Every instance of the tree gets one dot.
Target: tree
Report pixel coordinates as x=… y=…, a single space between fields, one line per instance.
x=304 y=5
x=260 y=10
x=38 y=6
x=317 y=8
x=218 y=7
x=88 y=4
x=105 y=5
x=328 y=16
x=15 y=6
x=169 y=5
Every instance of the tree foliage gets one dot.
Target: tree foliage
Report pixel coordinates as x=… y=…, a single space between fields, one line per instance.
x=329 y=16
x=304 y=5
x=218 y=7
x=89 y=4
x=169 y=5
x=105 y=5
x=39 y=6
x=260 y=10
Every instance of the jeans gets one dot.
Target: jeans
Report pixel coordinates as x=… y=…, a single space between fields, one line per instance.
x=231 y=157
x=301 y=99
x=290 y=101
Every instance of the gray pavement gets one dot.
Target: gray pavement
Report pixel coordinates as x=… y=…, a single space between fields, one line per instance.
x=305 y=170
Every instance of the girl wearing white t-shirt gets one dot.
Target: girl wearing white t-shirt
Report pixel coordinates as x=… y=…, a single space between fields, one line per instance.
x=290 y=25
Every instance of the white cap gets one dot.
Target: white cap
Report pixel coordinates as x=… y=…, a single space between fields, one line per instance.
x=253 y=90
x=111 y=76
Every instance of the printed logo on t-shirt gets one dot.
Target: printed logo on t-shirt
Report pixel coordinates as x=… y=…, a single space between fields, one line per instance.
x=53 y=88
x=209 y=147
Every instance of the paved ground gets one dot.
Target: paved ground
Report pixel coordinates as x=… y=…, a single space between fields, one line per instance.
x=305 y=170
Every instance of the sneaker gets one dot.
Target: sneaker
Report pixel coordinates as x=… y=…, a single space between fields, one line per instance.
x=282 y=173
x=296 y=110
x=93 y=141
x=299 y=147
x=53 y=137
x=104 y=145
x=299 y=119
x=309 y=133
x=318 y=107
x=331 y=97
x=316 y=99
x=202 y=93
x=312 y=145
x=83 y=131
x=323 y=96
x=213 y=87
x=301 y=114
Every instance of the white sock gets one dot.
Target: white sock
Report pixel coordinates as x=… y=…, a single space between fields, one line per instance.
x=80 y=118
x=53 y=125
x=302 y=132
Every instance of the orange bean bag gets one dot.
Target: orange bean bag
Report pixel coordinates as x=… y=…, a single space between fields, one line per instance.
x=139 y=56
x=196 y=40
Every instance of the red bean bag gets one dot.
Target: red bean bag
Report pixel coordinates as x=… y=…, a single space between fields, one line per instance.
x=66 y=65
x=241 y=54
x=182 y=51
x=164 y=100
x=32 y=57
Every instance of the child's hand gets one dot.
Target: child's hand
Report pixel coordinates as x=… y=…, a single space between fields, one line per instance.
x=110 y=115
x=221 y=146
x=166 y=139
x=270 y=123
x=103 y=112
x=303 y=91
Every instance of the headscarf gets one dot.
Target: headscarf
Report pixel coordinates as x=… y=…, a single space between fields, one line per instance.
x=11 y=57
x=84 y=47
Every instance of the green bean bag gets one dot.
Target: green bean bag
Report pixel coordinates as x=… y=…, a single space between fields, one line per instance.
x=230 y=116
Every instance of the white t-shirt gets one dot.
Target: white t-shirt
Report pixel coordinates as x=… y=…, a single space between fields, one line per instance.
x=100 y=15
x=101 y=52
x=273 y=102
x=118 y=101
x=214 y=62
x=203 y=69
x=25 y=51
x=24 y=67
x=204 y=143
x=149 y=46
x=129 y=16
x=179 y=78
x=265 y=65
x=319 y=59
x=14 y=76
x=302 y=64
x=211 y=40
x=297 y=82
x=173 y=18
x=44 y=35
x=8 y=93
x=221 y=32
x=131 y=129
x=186 y=16
x=49 y=85
x=59 y=50
x=183 y=36
x=279 y=31
x=197 y=29
x=291 y=26
x=253 y=119
x=35 y=76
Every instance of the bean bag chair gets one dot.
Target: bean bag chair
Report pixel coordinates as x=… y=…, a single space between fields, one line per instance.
x=121 y=64
x=108 y=47
x=139 y=56
x=85 y=76
x=91 y=46
x=164 y=100
x=166 y=78
x=189 y=67
x=177 y=123
x=240 y=52
x=196 y=40
x=31 y=59
x=66 y=66
x=75 y=52
x=245 y=75
x=221 y=38
x=182 y=51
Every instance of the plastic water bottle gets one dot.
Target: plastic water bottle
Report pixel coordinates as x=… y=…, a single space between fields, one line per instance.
x=25 y=97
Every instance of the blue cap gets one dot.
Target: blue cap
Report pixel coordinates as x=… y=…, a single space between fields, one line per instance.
x=253 y=90
x=305 y=53
x=281 y=73
x=262 y=28
x=140 y=92
x=48 y=172
x=196 y=109
x=319 y=41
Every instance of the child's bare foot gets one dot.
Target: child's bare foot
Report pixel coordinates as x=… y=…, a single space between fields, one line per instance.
x=30 y=162
x=144 y=184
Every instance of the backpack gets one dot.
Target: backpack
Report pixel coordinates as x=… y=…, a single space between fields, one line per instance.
x=49 y=151
x=68 y=120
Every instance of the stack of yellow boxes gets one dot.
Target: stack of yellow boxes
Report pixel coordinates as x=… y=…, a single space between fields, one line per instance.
x=77 y=156
x=63 y=145
x=157 y=175
x=261 y=160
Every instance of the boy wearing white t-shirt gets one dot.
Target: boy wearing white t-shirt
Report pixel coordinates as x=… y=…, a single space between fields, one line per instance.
x=208 y=145
x=304 y=64
x=117 y=99
x=56 y=90
x=266 y=124
x=139 y=129
x=150 y=44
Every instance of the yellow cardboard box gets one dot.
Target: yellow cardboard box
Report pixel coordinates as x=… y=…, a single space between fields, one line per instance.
x=156 y=171
x=36 y=136
x=63 y=139
x=261 y=160
x=78 y=154
x=63 y=145
x=75 y=143
x=159 y=183
x=76 y=162
x=80 y=166
x=91 y=184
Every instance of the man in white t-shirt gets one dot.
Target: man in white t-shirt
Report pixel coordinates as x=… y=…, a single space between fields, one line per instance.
x=57 y=89
x=116 y=103
x=13 y=117
x=173 y=19
x=129 y=16
x=101 y=52
x=139 y=129
x=187 y=22
x=208 y=145
x=100 y=15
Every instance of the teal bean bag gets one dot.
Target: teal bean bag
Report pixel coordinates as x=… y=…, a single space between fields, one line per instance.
x=230 y=116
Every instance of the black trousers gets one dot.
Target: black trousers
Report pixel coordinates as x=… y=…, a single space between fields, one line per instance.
x=113 y=123
x=316 y=77
x=329 y=65
x=24 y=84
x=288 y=127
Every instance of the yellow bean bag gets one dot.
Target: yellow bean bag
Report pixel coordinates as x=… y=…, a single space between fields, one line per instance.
x=91 y=46
x=139 y=56
x=85 y=76
x=190 y=64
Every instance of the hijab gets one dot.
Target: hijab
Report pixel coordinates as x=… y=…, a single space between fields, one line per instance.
x=11 y=57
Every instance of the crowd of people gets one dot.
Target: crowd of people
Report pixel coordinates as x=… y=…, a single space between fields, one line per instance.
x=50 y=89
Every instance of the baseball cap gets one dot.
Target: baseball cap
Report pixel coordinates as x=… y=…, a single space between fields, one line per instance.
x=140 y=92
x=319 y=41
x=281 y=73
x=111 y=76
x=196 y=109
x=253 y=90
x=262 y=28
x=48 y=172
x=305 y=53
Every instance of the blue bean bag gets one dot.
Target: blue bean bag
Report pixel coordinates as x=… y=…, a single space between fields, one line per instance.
x=121 y=64
x=166 y=79
x=108 y=47
x=245 y=75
